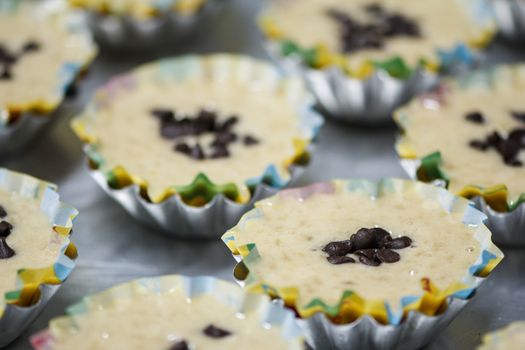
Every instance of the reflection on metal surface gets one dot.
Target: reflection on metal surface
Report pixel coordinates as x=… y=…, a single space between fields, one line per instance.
x=15 y=136
x=510 y=18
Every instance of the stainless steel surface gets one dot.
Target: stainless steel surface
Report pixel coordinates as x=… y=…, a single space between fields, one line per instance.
x=114 y=248
x=14 y=137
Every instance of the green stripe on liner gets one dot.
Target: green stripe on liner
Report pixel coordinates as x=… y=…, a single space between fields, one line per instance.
x=202 y=190
x=396 y=67
x=13 y=296
x=430 y=168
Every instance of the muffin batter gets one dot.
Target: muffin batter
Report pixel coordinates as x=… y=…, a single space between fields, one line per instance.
x=291 y=234
x=445 y=128
x=32 y=239
x=161 y=321
x=42 y=59
x=140 y=8
x=307 y=23
x=127 y=132
x=511 y=337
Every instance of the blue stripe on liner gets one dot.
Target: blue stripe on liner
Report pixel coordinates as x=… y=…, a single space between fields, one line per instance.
x=486 y=257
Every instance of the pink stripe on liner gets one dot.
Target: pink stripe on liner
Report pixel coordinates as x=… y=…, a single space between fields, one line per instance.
x=308 y=191
x=43 y=340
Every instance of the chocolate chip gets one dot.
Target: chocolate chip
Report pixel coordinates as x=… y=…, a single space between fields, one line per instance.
x=338 y=260
x=216 y=332
x=206 y=121
x=163 y=114
x=5 y=229
x=367 y=253
x=5 y=251
x=249 y=140
x=388 y=256
x=181 y=345
x=339 y=248
x=183 y=148
x=479 y=145
x=6 y=57
x=31 y=46
x=380 y=236
x=362 y=239
x=367 y=261
x=520 y=116
x=197 y=152
x=374 y=8
x=475 y=117
x=6 y=74
x=228 y=123
x=399 y=243
x=3 y=212
x=224 y=138
x=220 y=152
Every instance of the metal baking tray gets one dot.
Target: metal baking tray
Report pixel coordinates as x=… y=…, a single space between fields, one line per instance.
x=114 y=248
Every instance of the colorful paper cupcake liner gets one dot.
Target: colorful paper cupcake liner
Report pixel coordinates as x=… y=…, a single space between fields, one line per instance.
x=354 y=314
x=372 y=92
x=20 y=124
x=272 y=314
x=35 y=287
x=505 y=217
x=200 y=209
x=510 y=18
x=158 y=25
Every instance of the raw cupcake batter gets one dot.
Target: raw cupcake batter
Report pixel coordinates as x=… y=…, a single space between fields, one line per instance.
x=307 y=23
x=446 y=129
x=291 y=235
x=36 y=63
x=511 y=337
x=129 y=134
x=161 y=321
x=32 y=239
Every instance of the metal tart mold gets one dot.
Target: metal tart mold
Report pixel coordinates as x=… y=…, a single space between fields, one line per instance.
x=35 y=287
x=201 y=209
x=370 y=94
x=271 y=314
x=354 y=321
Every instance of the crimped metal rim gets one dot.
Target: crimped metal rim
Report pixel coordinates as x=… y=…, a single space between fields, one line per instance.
x=508 y=228
x=174 y=218
x=510 y=18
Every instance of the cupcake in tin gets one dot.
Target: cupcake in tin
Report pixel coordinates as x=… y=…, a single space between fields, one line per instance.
x=364 y=58
x=187 y=144
x=43 y=49
x=173 y=313
x=36 y=255
x=137 y=23
x=508 y=338
x=510 y=18
x=470 y=135
x=365 y=265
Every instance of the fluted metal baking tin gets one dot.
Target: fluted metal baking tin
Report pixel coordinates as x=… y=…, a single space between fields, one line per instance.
x=125 y=32
x=508 y=229
x=16 y=319
x=175 y=218
x=414 y=332
x=272 y=314
x=510 y=18
x=368 y=101
x=14 y=137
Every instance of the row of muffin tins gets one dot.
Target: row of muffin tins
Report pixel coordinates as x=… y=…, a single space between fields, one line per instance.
x=321 y=329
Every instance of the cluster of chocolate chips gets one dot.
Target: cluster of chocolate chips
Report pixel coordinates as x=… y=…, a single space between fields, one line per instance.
x=206 y=122
x=372 y=246
x=383 y=26
x=210 y=331
x=508 y=147
x=8 y=59
x=6 y=251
